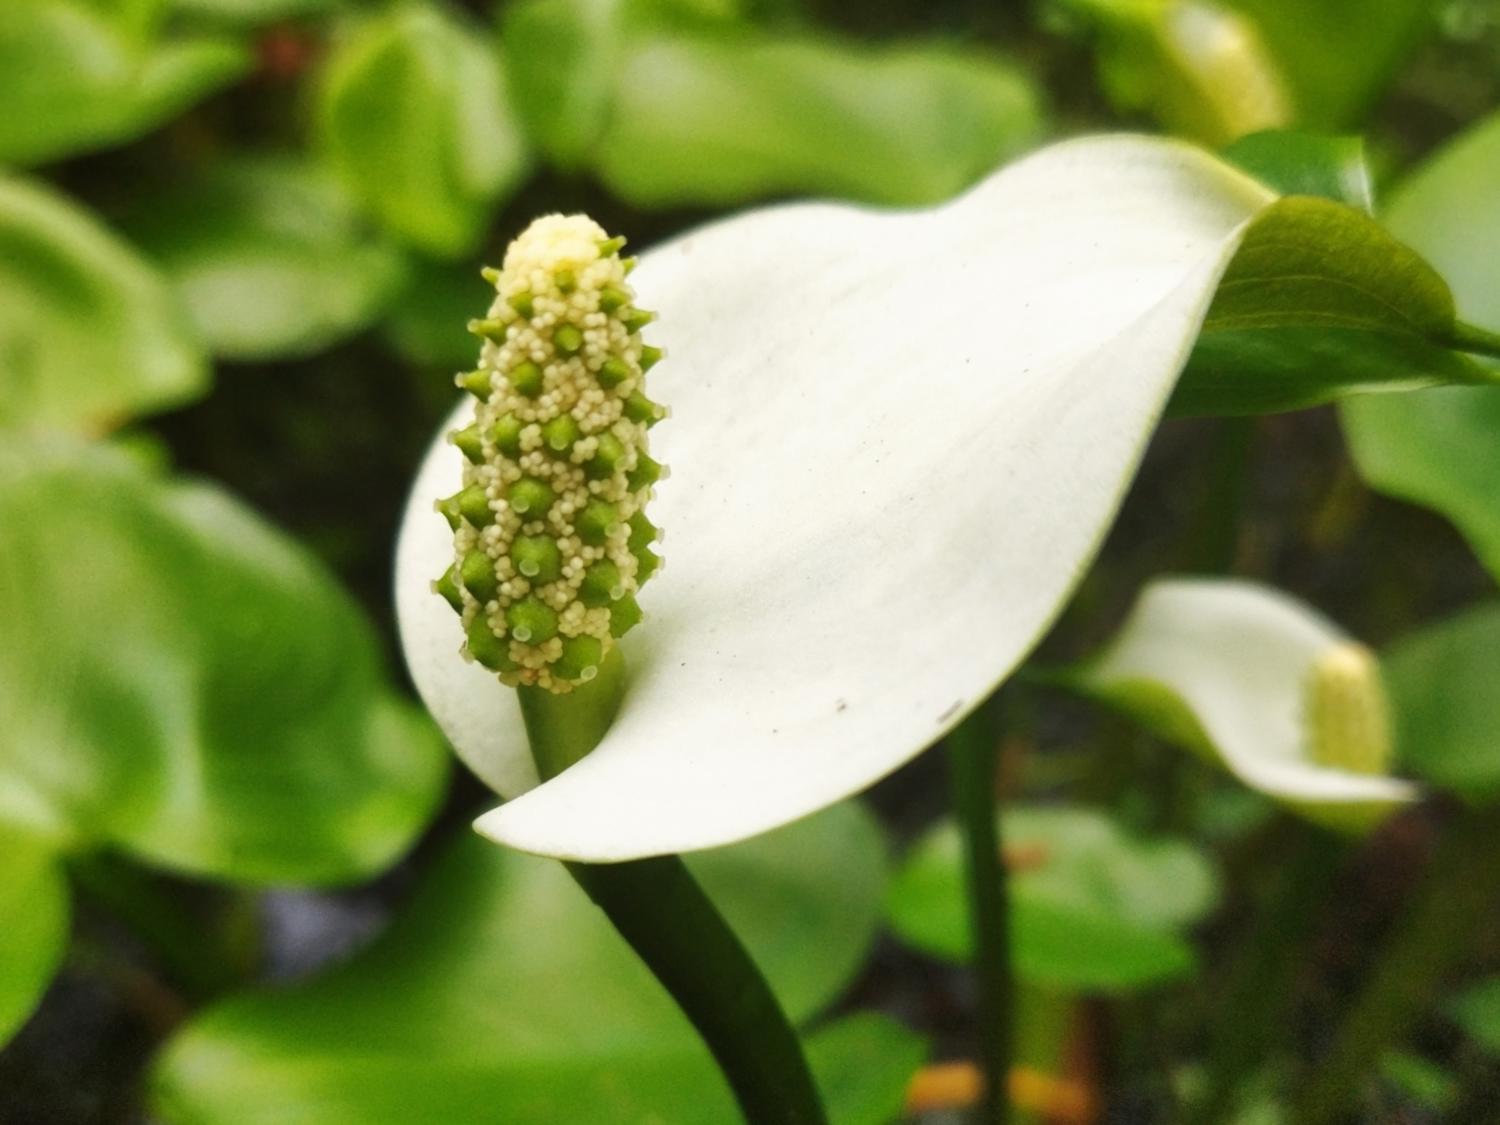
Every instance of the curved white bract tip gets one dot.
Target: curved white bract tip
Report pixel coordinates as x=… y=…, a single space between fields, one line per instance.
x=1226 y=666
x=897 y=440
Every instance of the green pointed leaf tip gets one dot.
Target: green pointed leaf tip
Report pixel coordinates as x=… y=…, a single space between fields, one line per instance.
x=1307 y=164
x=557 y=471
x=34 y=920
x=1321 y=302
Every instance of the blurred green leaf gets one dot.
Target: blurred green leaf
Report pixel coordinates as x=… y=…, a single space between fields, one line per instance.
x=414 y=115
x=500 y=987
x=182 y=682
x=427 y=322
x=73 y=79
x=251 y=12
x=269 y=255
x=1477 y=1011
x=1441 y=448
x=1320 y=302
x=1338 y=55
x=89 y=332
x=719 y=120
x=1426 y=1083
x=34 y=920
x=1306 y=164
x=1447 y=711
x=1092 y=907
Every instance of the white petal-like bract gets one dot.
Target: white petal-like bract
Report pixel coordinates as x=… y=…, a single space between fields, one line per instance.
x=1225 y=665
x=896 y=440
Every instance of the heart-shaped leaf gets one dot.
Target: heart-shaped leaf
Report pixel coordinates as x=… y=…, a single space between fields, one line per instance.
x=269 y=256
x=1093 y=907
x=89 y=332
x=501 y=993
x=180 y=681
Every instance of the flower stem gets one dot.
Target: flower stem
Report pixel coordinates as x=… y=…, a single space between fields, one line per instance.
x=1474 y=340
x=971 y=755
x=1438 y=929
x=674 y=927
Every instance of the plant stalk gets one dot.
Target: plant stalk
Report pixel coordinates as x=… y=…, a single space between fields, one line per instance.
x=1474 y=340
x=673 y=926
x=1458 y=892
x=972 y=764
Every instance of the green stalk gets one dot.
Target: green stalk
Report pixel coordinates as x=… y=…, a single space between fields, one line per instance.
x=1437 y=931
x=658 y=908
x=1474 y=340
x=1262 y=983
x=972 y=760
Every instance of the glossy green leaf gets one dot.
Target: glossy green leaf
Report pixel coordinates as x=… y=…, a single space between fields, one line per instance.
x=414 y=115
x=89 y=331
x=1447 y=710
x=253 y=12
x=1321 y=302
x=1441 y=448
x=1307 y=164
x=1477 y=1011
x=180 y=681
x=1338 y=55
x=72 y=78
x=718 y=120
x=269 y=256
x=500 y=992
x=1093 y=907
x=34 y=920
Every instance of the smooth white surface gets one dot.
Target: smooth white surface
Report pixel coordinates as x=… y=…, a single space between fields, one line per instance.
x=1239 y=656
x=896 y=440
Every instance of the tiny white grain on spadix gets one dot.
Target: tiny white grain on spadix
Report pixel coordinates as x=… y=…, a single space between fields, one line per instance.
x=897 y=439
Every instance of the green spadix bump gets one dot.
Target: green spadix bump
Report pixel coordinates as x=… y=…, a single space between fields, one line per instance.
x=565 y=280
x=474 y=503
x=477 y=574
x=489 y=650
x=607 y=458
x=580 y=658
x=506 y=434
x=448 y=506
x=602 y=584
x=530 y=497
x=536 y=558
x=624 y=615
x=531 y=621
x=526 y=377
x=447 y=586
x=524 y=305
x=642 y=532
x=490 y=274
x=636 y=319
x=610 y=246
x=629 y=264
x=567 y=339
x=560 y=433
x=490 y=329
x=596 y=521
x=639 y=408
x=647 y=563
x=469 y=443
x=477 y=383
x=647 y=471
x=612 y=298
x=650 y=357
x=613 y=372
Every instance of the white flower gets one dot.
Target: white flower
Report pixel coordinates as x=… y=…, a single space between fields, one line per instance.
x=1251 y=679
x=897 y=440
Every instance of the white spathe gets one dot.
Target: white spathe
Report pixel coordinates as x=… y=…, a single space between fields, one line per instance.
x=896 y=441
x=1238 y=657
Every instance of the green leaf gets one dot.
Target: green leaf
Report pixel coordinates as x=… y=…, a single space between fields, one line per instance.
x=34 y=920
x=252 y=12
x=1320 y=302
x=1426 y=1083
x=1092 y=906
x=718 y=120
x=414 y=116
x=1477 y=1011
x=1439 y=448
x=500 y=992
x=1307 y=164
x=1447 y=711
x=73 y=79
x=269 y=256
x=1338 y=55
x=89 y=332
x=180 y=681
x=426 y=323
